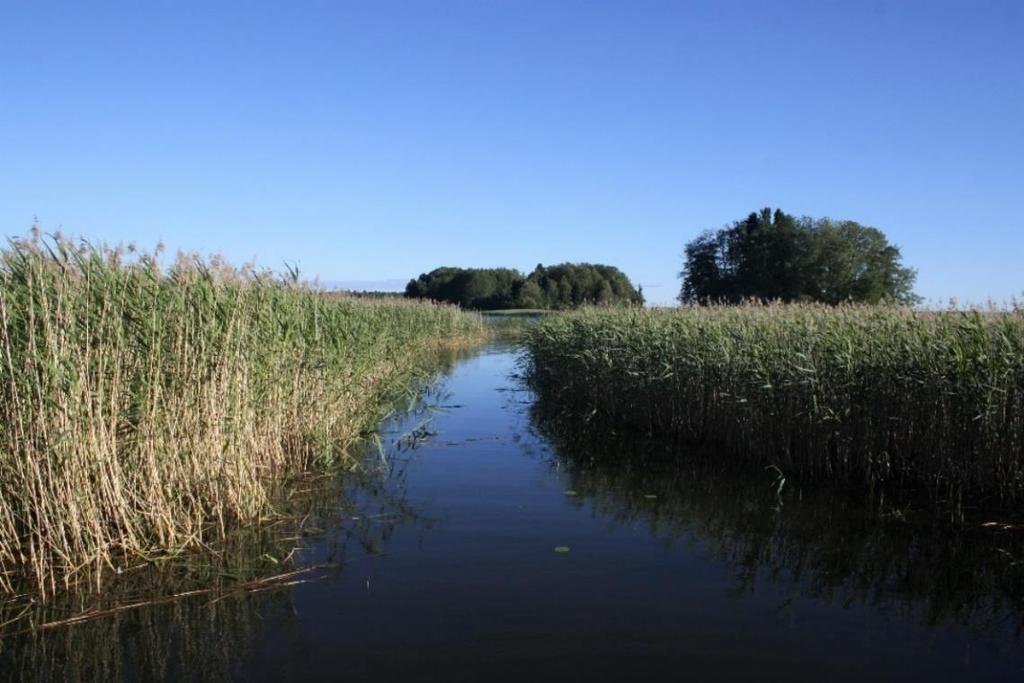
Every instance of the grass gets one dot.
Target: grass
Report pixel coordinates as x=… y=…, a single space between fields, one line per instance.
x=147 y=410
x=885 y=397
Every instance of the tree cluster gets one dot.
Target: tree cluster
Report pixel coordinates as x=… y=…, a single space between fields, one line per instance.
x=567 y=285
x=777 y=257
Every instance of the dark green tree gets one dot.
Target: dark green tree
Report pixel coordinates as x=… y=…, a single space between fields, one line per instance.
x=569 y=285
x=530 y=295
x=772 y=256
x=851 y=262
x=566 y=285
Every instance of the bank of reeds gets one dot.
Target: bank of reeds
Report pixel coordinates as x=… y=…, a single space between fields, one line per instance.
x=886 y=397
x=146 y=409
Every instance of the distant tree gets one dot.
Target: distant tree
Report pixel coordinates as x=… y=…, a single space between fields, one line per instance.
x=436 y=284
x=565 y=299
x=851 y=262
x=480 y=288
x=566 y=285
x=773 y=256
x=530 y=295
x=569 y=285
x=550 y=292
x=705 y=277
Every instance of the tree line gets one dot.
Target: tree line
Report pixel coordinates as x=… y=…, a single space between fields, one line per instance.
x=567 y=285
x=773 y=256
x=768 y=256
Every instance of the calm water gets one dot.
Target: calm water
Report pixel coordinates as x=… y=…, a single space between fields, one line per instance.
x=448 y=571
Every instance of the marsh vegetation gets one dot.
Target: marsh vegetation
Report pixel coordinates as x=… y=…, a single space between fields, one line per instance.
x=185 y=449
x=146 y=411
x=499 y=532
x=885 y=398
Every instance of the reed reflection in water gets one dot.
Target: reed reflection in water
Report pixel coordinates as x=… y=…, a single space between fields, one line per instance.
x=829 y=544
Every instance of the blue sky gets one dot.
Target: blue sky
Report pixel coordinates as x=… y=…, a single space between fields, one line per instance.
x=371 y=141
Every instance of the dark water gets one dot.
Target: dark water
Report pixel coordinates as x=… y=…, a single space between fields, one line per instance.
x=448 y=571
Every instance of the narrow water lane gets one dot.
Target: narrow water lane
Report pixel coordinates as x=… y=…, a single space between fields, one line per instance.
x=522 y=567
x=485 y=553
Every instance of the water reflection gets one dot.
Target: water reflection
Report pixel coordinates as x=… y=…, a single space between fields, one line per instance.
x=819 y=542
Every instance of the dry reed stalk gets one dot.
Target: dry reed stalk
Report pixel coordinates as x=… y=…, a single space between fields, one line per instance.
x=145 y=409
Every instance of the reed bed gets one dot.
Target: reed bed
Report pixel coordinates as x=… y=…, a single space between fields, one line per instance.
x=887 y=397
x=146 y=410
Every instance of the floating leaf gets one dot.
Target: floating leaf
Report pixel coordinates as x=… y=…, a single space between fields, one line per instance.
x=570 y=492
x=561 y=548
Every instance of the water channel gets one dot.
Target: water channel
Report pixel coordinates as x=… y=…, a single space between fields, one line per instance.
x=487 y=546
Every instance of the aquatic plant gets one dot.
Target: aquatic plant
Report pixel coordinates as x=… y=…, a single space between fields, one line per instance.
x=144 y=410
x=818 y=540
x=891 y=396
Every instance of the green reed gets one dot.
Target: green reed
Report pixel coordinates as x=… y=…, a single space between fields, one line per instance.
x=929 y=401
x=147 y=409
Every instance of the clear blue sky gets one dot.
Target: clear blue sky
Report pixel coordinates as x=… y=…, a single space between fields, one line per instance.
x=372 y=141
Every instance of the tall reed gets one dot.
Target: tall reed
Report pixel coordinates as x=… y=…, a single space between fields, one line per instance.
x=145 y=409
x=873 y=395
